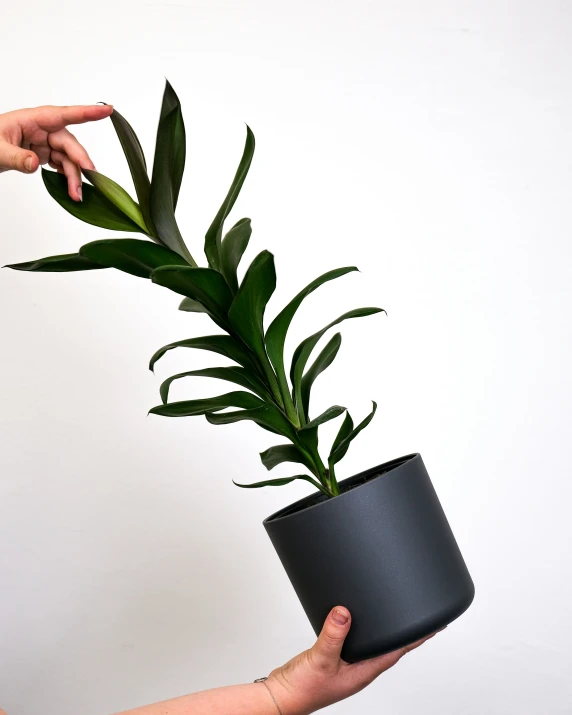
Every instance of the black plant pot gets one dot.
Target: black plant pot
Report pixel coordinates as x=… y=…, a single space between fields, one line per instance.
x=384 y=549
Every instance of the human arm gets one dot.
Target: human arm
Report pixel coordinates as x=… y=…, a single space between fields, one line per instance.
x=312 y=680
x=30 y=137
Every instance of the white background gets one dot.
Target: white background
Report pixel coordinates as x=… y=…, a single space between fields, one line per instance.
x=430 y=144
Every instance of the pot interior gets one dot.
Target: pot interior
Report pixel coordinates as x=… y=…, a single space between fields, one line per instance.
x=345 y=486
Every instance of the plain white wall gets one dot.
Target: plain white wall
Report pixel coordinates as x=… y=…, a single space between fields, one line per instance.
x=428 y=143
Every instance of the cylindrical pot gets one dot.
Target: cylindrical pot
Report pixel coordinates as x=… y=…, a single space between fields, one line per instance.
x=384 y=549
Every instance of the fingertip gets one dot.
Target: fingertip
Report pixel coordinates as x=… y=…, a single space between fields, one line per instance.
x=340 y=616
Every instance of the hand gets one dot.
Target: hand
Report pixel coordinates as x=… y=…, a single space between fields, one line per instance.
x=318 y=677
x=30 y=137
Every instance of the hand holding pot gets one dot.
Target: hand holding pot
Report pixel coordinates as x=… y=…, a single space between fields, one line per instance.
x=318 y=677
x=30 y=137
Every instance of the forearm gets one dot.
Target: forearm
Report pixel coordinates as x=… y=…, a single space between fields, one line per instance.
x=247 y=699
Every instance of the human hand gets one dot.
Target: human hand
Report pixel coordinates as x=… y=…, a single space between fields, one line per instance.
x=30 y=137
x=318 y=677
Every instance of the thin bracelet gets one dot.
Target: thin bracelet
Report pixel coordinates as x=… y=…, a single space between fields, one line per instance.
x=262 y=680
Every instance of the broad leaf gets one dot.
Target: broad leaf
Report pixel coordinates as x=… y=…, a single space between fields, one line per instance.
x=214 y=234
x=221 y=344
x=266 y=416
x=303 y=351
x=344 y=443
x=192 y=306
x=280 y=453
x=131 y=255
x=53 y=264
x=202 y=284
x=188 y=408
x=324 y=360
x=345 y=430
x=94 y=209
x=238 y=375
x=246 y=313
x=168 y=168
x=281 y=482
x=118 y=197
x=276 y=333
x=137 y=165
x=329 y=414
x=233 y=246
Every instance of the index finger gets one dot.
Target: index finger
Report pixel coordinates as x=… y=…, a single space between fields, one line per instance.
x=52 y=119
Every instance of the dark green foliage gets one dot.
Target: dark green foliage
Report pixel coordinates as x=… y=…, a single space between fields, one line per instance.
x=268 y=398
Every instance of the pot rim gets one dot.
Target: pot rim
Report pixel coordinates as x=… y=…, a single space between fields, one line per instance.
x=286 y=512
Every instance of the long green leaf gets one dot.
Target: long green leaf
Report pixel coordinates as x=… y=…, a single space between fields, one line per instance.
x=343 y=445
x=324 y=360
x=345 y=430
x=280 y=453
x=276 y=333
x=303 y=351
x=221 y=344
x=118 y=197
x=329 y=414
x=57 y=264
x=266 y=416
x=167 y=173
x=192 y=306
x=137 y=165
x=188 y=408
x=238 y=375
x=202 y=284
x=94 y=209
x=130 y=255
x=232 y=248
x=281 y=482
x=214 y=234
x=246 y=314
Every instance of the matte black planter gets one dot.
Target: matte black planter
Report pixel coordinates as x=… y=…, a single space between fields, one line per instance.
x=384 y=549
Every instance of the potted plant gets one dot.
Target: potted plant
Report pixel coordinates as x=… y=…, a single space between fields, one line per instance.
x=378 y=542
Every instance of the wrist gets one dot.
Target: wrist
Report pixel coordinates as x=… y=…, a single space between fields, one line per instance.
x=288 y=700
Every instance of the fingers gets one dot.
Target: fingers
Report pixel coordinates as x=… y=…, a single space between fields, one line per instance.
x=14 y=157
x=52 y=119
x=373 y=667
x=64 y=141
x=72 y=172
x=42 y=151
x=328 y=647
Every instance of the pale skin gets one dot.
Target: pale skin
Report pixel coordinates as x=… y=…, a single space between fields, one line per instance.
x=315 y=678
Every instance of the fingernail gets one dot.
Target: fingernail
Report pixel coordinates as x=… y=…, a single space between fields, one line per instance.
x=29 y=163
x=79 y=193
x=340 y=618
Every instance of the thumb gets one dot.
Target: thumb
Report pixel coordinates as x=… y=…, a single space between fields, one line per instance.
x=328 y=647
x=13 y=157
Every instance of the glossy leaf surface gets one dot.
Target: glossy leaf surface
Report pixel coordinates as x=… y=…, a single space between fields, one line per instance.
x=232 y=248
x=118 y=197
x=344 y=443
x=188 y=408
x=238 y=375
x=131 y=255
x=324 y=360
x=58 y=264
x=280 y=453
x=221 y=344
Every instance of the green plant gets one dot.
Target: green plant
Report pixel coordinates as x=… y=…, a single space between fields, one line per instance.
x=269 y=399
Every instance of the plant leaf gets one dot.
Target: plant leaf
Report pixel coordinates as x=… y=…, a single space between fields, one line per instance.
x=94 y=209
x=221 y=344
x=266 y=416
x=232 y=247
x=280 y=482
x=188 y=408
x=238 y=375
x=118 y=197
x=344 y=431
x=202 y=284
x=214 y=234
x=280 y=453
x=52 y=264
x=167 y=173
x=303 y=351
x=276 y=333
x=130 y=255
x=137 y=165
x=344 y=443
x=326 y=416
x=192 y=306
x=324 y=360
